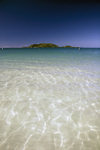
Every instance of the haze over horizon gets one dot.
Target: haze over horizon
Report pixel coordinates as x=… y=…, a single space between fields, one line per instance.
x=25 y=22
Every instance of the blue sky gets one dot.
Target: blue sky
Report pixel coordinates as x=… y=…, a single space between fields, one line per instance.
x=25 y=22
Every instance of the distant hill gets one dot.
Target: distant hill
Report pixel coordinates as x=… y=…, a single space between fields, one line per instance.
x=48 y=45
x=68 y=46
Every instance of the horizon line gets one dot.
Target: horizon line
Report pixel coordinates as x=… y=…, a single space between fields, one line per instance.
x=51 y=47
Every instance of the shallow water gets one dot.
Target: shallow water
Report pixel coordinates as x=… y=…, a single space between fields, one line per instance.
x=50 y=99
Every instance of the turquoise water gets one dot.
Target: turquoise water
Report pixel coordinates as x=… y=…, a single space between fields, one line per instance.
x=86 y=58
x=50 y=99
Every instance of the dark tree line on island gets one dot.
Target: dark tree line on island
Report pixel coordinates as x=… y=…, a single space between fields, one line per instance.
x=48 y=45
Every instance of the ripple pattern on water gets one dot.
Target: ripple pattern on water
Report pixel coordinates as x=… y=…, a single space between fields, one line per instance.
x=49 y=108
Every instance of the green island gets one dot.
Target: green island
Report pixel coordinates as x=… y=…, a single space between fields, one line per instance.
x=47 y=45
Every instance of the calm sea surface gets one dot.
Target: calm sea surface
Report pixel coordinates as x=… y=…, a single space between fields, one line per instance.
x=50 y=99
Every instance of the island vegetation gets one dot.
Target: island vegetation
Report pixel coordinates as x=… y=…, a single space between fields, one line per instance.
x=68 y=46
x=48 y=45
x=43 y=45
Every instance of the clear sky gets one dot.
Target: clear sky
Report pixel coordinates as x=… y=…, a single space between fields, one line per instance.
x=25 y=22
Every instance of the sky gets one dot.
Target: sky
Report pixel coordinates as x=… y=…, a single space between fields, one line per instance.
x=73 y=22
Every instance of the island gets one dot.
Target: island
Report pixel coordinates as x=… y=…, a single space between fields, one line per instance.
x=43 y=45
x=48 y=45
x=68 y=46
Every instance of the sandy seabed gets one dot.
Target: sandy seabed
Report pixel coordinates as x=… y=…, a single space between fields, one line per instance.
x=49 y=108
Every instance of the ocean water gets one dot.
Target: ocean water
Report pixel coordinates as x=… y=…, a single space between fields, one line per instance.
x=50 y=99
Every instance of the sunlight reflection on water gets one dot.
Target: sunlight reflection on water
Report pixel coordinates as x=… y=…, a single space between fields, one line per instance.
x=49 y=108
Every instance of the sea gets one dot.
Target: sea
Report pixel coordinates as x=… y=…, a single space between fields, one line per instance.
x=50 y=99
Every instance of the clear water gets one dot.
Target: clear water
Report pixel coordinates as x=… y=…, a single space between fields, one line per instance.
x=50 y=99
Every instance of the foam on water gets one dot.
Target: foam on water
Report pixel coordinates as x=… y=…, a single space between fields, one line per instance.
x=49 y=107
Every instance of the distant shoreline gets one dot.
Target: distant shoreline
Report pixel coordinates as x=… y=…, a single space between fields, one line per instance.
x=48 y=45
